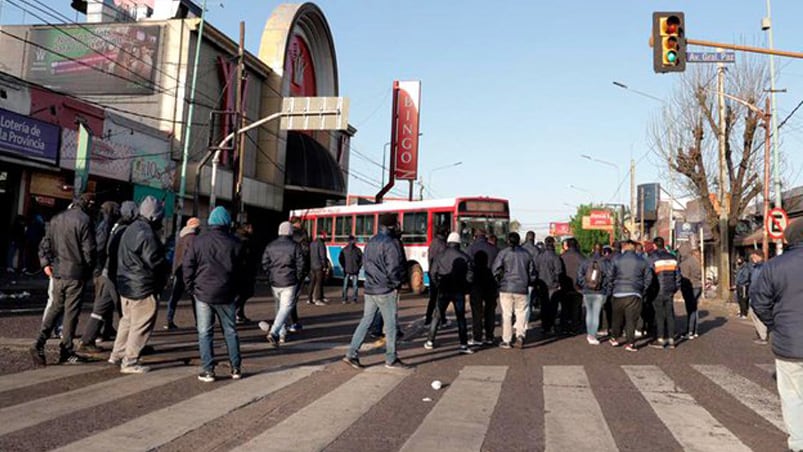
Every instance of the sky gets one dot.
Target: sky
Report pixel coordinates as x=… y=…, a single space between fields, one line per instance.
x=518 y=91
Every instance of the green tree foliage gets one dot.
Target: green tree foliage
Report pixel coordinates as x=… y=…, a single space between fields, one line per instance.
x=585 y=238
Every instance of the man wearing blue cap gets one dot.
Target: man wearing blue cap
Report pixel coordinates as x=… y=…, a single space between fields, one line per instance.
x=213 y=271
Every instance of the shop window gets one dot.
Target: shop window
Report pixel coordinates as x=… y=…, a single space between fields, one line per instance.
x=441 y=219
x=342 y=228
x=324 y=226
x=415 y=227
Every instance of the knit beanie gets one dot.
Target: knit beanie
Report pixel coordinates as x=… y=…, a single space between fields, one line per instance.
x=219 y=217
x=128 y=211
x=151 y=209
x=194 y=222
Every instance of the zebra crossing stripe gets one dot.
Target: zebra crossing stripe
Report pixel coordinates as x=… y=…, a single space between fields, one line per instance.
x=691 y=424
x=763 y=402
x=160 y=427
x=44 y=375
x=569 y=403
x=769 y=368
x=28 y=414
x=318 y=424
x=460 y=419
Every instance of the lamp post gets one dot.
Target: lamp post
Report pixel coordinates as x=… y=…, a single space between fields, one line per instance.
x=429 y=176
x=766 y=25
x=584 y=190
x=614 y=165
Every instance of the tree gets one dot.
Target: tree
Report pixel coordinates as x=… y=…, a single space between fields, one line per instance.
x=685 y=137
x=586 y=238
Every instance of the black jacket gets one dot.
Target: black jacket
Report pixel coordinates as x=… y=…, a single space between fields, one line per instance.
x=603 y=264
x=102 y=234
x=572 y=259
x=301 y=237
x=142 y=269
x=213 y=267
x=283 y=261
x=531 y=248
x=483 y=255
x=776 y=295
x=350 y=259
x=383 y=264
x=317 y=255
x=666 y=269
x=515 y=269
x=437 y=247
x=549 y=267
x=69 y=245
x=629 y=273
x=453 y=270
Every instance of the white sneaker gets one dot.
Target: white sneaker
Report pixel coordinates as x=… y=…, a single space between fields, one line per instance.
x=473 y=343
x=134 y=369
x=592 y=340
x=429 y=345
x=639 y=333
x=264 y=326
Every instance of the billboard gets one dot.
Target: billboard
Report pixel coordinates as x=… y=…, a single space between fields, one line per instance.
x=649 y=196
x=94 y=58
x=558 y=229
x=404 y=135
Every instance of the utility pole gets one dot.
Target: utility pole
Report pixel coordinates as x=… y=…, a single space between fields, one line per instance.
x=632 y=196
x=185 y=155
x=765 y=245
x=767 y=25
x=239 y=206
x=671 y=200
x=724 y=250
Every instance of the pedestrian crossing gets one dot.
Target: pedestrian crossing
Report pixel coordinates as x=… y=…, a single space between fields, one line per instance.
x=459 y=419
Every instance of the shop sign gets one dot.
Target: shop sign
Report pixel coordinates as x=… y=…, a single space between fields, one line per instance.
x=109 y=159
x=404 y=132
x=28 y=138
x=155 y=171
x=557 y=229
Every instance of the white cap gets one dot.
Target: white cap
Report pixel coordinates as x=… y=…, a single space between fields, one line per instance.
x=453 y=238
x=285 y=228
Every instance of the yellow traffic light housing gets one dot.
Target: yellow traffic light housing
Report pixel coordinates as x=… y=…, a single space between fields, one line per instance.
x=669 y=42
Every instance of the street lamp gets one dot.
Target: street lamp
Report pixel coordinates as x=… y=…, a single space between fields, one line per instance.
x=618 y=171
x=640 y=93
x=429 y=177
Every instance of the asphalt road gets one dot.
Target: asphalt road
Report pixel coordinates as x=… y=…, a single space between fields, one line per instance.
x=713 y=393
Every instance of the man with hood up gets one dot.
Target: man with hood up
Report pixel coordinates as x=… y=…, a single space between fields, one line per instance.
x=67 y=255
x=185 y=239
x=142 y=268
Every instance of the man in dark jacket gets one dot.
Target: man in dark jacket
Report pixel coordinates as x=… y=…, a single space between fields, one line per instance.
x=383 y=278
x=105 y=292
x=529 y=246
x=283 y=261
x=592 y=280
x=319 y=267
x=250 y=266
x=301 y=237
x=756 y=266
x=515 y=270
x=743 y=270
x=484 y=291
x=630 y=276
x=571 y=300
x=454 y=273
x=691 y=287
x=549 y=268
x=212 y=271
x=666 y=270
x=141 y=275
x=185 y=239
x=437 y=247
x=776 y=297
x=350 y=260
x=67 y=255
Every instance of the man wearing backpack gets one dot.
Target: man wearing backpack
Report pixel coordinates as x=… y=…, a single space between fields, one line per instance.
x=594 y=284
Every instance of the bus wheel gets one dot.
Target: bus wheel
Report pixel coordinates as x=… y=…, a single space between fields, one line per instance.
x=417 y=279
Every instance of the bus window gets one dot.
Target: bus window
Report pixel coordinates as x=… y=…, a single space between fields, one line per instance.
x=342 y=228
x=441 y=219
x=364 y=227
x=324 y=226
x=415 y=227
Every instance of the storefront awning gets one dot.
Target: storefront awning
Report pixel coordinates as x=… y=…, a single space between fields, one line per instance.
x=310 y=166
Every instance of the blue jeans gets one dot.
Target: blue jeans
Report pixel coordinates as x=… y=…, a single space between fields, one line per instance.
x=348 y=280
x=790 y=388
x=594 y=303
x=283 y=297
x=386 y=305
x=206 y=328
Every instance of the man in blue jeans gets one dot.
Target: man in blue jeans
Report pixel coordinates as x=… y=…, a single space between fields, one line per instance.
x=283 y=261
x=351 y=262
x=383 y=278
x=212 y=268
x=776 y=296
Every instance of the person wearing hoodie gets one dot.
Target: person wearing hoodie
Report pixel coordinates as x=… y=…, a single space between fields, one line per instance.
x=185 y=238
x=141 y=276
x=776 y=297
x=284 y=262
x=515 y=270
x=529 y=245
x=350 y=260
x=105 y=292
x=453 y=271
x=571 y=303
x=213 y=272
x=484 y=291
x=67 y=256
x=629 y=276
x=436 y=247
x=549 y=268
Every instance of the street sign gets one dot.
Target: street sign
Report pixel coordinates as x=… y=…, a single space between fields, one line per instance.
x=710 y=57
x=776 y=222
x=315 y=113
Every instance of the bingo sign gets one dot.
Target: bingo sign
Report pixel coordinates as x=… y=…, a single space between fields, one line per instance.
x=404 y=135
x=776 y=223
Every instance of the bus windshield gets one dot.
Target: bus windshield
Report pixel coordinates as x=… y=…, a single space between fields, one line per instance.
x=498 y=227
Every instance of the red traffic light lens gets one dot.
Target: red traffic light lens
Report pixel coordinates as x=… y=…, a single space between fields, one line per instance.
x=672 y=25
x=672 y=43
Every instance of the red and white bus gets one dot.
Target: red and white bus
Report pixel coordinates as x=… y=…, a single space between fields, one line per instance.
x=419 y=221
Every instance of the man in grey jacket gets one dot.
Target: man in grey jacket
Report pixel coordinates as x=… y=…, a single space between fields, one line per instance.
x=630 y=276
x=515 y=270
x=776 y=297
x=283 y=261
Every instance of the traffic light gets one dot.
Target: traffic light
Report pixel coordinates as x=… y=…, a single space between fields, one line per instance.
x=669 y=42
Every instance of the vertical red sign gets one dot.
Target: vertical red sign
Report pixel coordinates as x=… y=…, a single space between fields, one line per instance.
x=404 y=133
